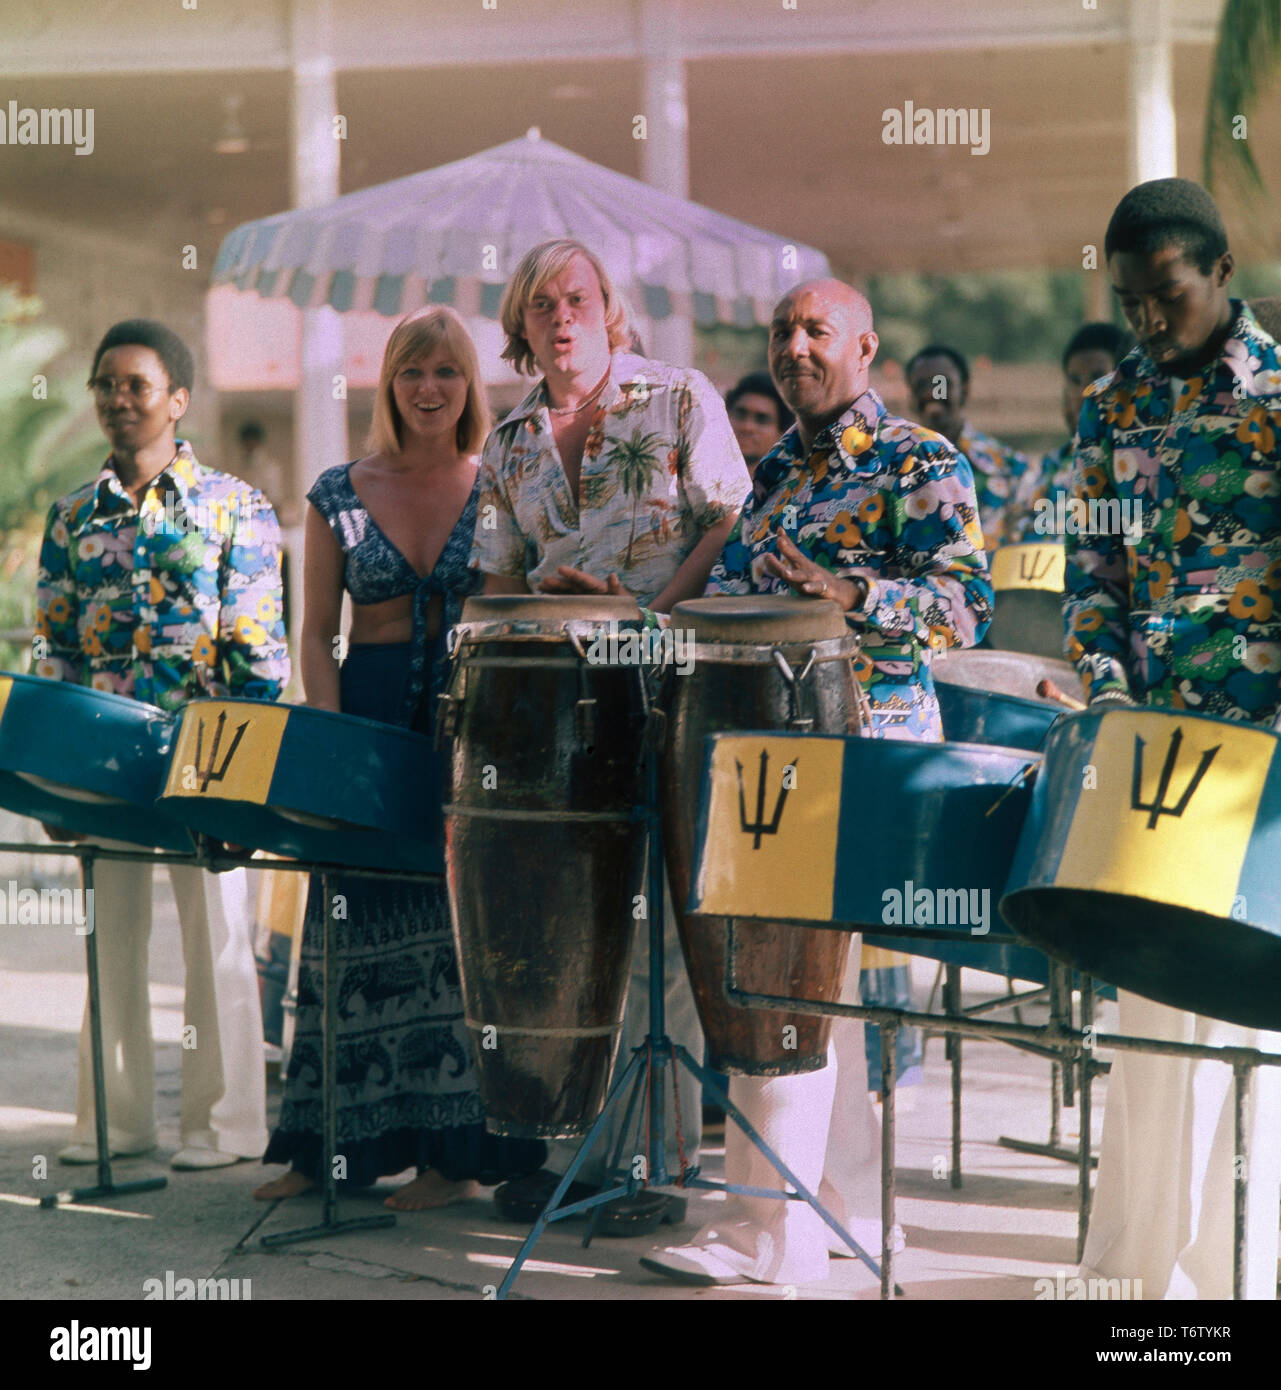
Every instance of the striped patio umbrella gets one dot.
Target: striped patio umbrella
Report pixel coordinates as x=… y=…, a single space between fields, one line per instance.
x=453 y=235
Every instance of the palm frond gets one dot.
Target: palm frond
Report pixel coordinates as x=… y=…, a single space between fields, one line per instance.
x=1246 y=55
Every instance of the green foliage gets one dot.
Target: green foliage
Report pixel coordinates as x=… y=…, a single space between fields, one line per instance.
x=48 y=441
x=1009 y=316
x=1245 y=59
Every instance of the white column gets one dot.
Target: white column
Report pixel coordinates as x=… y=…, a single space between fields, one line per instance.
x=1153 y=151
x=665 y=150
x=320 y=421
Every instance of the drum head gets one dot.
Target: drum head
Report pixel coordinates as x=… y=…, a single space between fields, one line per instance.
x=761 y=619
x=549 y=608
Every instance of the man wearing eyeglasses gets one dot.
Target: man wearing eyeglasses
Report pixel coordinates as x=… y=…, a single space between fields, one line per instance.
x=160 y=580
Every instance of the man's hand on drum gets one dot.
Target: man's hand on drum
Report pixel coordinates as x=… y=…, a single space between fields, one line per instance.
x=568 y=580
x=812 y=580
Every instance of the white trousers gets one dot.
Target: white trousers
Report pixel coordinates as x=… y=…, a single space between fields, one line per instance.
x=1163 y=1199
x=824 y=1126
x=682 y=1027
x=224 y=1095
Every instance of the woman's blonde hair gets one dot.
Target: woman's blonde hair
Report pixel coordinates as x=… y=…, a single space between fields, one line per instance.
x=417 y=335
x=545 y=262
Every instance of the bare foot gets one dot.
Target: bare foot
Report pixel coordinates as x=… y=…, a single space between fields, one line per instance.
x=429 y=1190
x=290 y=1184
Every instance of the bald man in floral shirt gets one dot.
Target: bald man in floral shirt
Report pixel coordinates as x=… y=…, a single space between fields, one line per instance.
x=879 y=516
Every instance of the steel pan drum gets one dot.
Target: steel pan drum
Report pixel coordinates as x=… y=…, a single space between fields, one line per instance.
x=985 y=716
x=86 y=760
x=1151 y=857
x=545 y=852
x=1008 y=673
x=877 y=835
x=307 y=784
x=737 y=683
x=1028 y=611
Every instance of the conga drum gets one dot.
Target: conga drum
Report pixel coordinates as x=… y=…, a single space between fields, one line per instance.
x=759 y=663
x=545 y=850
x=1150 y=858
x=307 y=784
x=87 y=761
x=1027 y=581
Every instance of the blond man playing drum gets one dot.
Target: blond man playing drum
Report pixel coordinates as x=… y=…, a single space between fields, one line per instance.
x=879 y=516
x=617 y=475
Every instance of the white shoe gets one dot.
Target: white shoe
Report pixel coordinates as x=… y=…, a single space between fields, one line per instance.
x=203 y=1158
x=88 y=1153
x=870 y=1242
x=691 y=1264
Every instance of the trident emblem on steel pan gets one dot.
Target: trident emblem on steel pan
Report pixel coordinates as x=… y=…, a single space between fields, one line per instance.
x=760 y=828
x=208 y=773
x=1157 y=805
x=1033 y=568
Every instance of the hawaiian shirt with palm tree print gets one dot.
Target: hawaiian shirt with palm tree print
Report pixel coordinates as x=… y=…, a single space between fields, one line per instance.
x=178 y=598
x=998 y=472
x=1188 y=615
x=892 y=503
x=660 y=467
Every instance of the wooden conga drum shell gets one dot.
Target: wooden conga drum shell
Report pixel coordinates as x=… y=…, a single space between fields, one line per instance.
x=86 y=760
x=721 y=694
x=546 y=857
x=307 y=784
x=1151 y=858
x=1027 y=614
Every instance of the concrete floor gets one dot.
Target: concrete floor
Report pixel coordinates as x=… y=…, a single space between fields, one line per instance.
x=1012 y=1221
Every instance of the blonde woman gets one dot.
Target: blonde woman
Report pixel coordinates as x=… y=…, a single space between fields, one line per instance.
x=394 y=531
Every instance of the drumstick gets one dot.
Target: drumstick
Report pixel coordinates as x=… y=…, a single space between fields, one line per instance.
x=1047 y=690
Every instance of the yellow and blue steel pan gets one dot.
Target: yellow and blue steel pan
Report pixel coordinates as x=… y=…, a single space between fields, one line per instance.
x=1151 y=857
x=86 y=760
x=308 y=784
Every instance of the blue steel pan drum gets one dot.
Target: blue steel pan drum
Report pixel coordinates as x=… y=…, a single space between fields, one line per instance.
x=1028 y=584
x=86 y=760
x=870 y=834
x=307 y=784
x=1009 y=673
x=1151 y=857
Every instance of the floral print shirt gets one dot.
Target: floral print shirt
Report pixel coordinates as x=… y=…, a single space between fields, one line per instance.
x=998 y=470
x=1189 y=615
x=660 y=467
x=178 y=598
x=892 y=503
x=1046 y=482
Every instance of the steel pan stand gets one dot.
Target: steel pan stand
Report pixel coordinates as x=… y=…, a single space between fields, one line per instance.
x=106 y=1186
x=329 y=1223
x=645 y=1070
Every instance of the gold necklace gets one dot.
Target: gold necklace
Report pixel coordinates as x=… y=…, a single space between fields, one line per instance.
x=582 y=405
